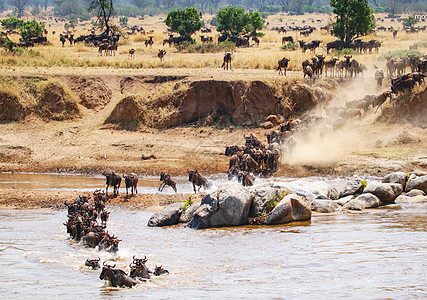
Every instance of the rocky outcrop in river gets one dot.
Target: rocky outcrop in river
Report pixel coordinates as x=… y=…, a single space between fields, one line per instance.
x=284 y=202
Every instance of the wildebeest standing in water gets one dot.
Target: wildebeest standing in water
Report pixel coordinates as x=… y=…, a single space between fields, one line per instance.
x=227 y=60
x=117 y=277
x=93 y=263
x=197 y=180
x=131 y=181
x=166 y=180
x=113 y=180
x=283 y=64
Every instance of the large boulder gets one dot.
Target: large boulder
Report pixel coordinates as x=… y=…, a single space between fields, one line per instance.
x=395 y=177
x=188 y=213
x=168 y=216
x=229 y=207
x=291 y=208
x=324 y=206
x=419 y=183
x=352 y=186
x=362 y=202
x=386 y=192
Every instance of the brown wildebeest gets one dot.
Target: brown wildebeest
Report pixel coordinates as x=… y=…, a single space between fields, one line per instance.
x=117 y=277
x=102 y=47
x=227 y=60
x=161 y=54
x=131 y=181
x=166 y=180
x=93 y=263
x=132 y=53
x=113 y=180
x=287 y=39
x=283 y=64
x=197 y=180
x=62 y=39
x=149 y=41
x=394 y=34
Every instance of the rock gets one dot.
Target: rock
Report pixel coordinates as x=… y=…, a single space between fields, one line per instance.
x=274 y=119
x=291 y=208
x=415 y=192
x=127 y=110
x=223 y=208
x=188 y=213
x=386 y=192
x=324 y=206
x=266 y=125
x=342 y=201
x=395 y=177
x=407 y=199
x=168 y=216
x=419 y=183
x=362 y=202
x=351 y=187
x=11 y=108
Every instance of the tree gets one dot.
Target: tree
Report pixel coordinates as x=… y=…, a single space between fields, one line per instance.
x=19 y=5
x=105 y=11
x=185 y=22
x=354 y=18
x=12 y=23
x=31 y=29
x=232 y=20
x=255 y=22
x=410 y=21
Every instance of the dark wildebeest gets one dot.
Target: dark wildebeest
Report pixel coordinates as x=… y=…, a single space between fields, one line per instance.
x=104 y=216
x=227 y=60
x=139 y=269
x=62 y=39
x=283 y=63
x=113 y=180
x=131 y=181
x=166 y=180
x=159 y=270
x=149 y=41
x=161 y=54
x=286 y=39
x=132 y=53
x=93 y=263
x=117 y=277
x=197 y=180
x=338 y=44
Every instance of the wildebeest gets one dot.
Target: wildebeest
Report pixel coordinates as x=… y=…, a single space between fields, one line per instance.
x=283 y=64
x=131 y=181
x=227 y=60
x=338 y=45
x=197 y=180
x=117 y=277
x=286 y=39
x=166 y=180
x=132 y=53
x=139 y=269
x=161 y=54
x=93 y=263
x=149 y=42
x=113 y=180
x=159 y=270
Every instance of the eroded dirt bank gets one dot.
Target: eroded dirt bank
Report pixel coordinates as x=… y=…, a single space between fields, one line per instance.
x=148 y=124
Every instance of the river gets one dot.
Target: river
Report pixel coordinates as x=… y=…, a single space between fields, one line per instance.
x=375 y=255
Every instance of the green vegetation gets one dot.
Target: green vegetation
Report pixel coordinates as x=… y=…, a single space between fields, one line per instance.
x=187 y=203
x=396 y=54
x=235 y=21
x=290 y=46
x=347 y=51
x=354 y=18
x=72 y=23
x=123 y=21
x=410 y=21
x=31 y=29
x=185 y=22
x=104 y=11
x=12 y=23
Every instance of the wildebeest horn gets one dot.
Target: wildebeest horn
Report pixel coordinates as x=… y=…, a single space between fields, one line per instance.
x=104 y=263
x=99 y=259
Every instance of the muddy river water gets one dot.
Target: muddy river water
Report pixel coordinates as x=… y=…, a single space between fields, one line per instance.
x=374 y=255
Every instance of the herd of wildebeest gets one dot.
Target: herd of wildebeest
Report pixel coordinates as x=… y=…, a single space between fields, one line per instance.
x=87 y=222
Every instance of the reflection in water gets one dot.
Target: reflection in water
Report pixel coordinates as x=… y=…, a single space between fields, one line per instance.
x=366 y=256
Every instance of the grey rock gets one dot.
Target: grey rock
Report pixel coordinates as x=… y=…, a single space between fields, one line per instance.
x=406 y=199
x=415 y=192
x=386 y=192
x=362 y=202
x=324 y=206
x=188 y=213
x=396 y=177
x=291 y=208
x=342 y=201
x=417 y=182
x=224 y=208
x=168 y=216
x=351 y=187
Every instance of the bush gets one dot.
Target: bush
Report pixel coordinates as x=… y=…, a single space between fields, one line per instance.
x=188 y=47
x=290 y=46
x=31 y=29
x=12 y=23
x=396 y=54
x=347 y=51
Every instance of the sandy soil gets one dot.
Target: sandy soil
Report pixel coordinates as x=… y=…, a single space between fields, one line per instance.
x=29 y=199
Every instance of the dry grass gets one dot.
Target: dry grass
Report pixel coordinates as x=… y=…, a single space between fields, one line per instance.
x=263 y=57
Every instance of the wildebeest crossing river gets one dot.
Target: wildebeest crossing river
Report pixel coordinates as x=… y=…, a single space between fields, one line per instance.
x=378 y=254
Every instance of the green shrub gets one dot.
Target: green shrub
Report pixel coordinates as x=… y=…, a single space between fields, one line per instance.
x=188 y=47
x=290 y=46
x=396 y=54
x=12 y=23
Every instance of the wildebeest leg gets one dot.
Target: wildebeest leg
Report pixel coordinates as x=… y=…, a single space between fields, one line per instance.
x=194 y=187
x=160 y=187
x=106 y=190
